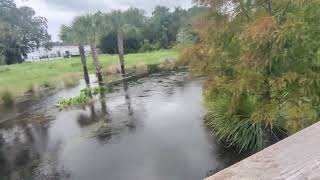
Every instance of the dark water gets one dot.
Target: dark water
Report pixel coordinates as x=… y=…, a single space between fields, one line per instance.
x=148 y=129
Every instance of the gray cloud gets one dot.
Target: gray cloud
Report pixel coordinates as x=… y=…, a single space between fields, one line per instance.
x=76 y=5
x=60 y=12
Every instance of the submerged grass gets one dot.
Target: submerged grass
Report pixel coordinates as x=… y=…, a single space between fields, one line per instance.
x=18 y=79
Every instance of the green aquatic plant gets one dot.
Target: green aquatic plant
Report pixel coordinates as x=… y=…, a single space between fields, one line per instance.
x=84 y=97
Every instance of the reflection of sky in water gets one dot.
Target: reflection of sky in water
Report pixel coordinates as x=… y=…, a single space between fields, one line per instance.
x=149 y=129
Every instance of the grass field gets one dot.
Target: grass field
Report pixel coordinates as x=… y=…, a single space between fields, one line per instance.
x=19 y=78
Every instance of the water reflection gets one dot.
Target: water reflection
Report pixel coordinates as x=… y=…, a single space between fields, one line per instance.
x=131 y=123
x=149 y=129
x=25 y=153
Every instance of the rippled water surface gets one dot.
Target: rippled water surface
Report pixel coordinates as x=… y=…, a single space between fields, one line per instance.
x=148 y=129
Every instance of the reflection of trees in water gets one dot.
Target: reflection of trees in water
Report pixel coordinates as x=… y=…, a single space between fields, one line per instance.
x=103 y=103
x=26 y=152
x=128 y=98
x=131 y=121
x=98 y=123
x=85 y=119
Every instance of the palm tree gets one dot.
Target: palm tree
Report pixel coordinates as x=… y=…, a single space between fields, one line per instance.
x=91 y=28
x=124 y=23
x=70 y=34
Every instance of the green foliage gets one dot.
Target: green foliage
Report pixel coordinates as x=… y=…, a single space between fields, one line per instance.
x=262 y=60
x=186 y=37
x=144 y=34
x=20 y=31
x=109 y=44
x=84 y=97
x=81 y=99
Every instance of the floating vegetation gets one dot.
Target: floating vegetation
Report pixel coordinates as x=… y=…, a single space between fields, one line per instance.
x=84 y=97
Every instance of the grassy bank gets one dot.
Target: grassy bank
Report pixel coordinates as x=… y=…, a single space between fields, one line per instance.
x=21 y=78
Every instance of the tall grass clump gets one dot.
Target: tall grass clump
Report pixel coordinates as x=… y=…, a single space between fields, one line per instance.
x=71 y=79
x=7 y=99
x=234 y=126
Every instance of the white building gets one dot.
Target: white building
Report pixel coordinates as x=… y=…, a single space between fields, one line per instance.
x=56 y=52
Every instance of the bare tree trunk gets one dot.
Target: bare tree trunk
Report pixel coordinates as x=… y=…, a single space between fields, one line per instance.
x=96 y=62
x=121 y=51
x=84 y=64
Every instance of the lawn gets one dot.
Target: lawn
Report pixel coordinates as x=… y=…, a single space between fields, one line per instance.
x=19 y=78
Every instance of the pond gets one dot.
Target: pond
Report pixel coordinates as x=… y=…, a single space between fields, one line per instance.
x=151 y=128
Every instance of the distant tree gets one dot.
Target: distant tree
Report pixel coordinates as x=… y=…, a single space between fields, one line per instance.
x=109 y=44
x=75 y=35
x=125 y=24
x=21 y=31
x=142 y=33
x=186 y=36
x=91 y=27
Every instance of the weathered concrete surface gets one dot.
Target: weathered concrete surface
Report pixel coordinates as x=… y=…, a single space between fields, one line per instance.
x=295 y=158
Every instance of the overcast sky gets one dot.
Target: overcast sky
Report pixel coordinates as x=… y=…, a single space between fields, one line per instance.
x=60 y=12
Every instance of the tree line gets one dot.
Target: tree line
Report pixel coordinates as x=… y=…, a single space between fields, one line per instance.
x=120 y=32
x=143 y=33
x=21 y=31
x=262 y=59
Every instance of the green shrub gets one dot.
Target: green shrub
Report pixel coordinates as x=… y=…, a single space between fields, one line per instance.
x=263 y=70
x=236 y=126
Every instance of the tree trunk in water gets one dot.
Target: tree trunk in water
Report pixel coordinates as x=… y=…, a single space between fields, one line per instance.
x=84 y=64
x=121 y=51
x=96 y=62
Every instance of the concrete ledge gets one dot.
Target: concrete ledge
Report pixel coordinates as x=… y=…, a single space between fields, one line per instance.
x=296 y=157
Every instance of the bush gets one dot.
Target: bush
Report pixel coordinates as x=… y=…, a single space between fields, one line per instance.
x=141 y=68
x=146 y=46
x=263 y=71
x=111 y=69
x=168 y=65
